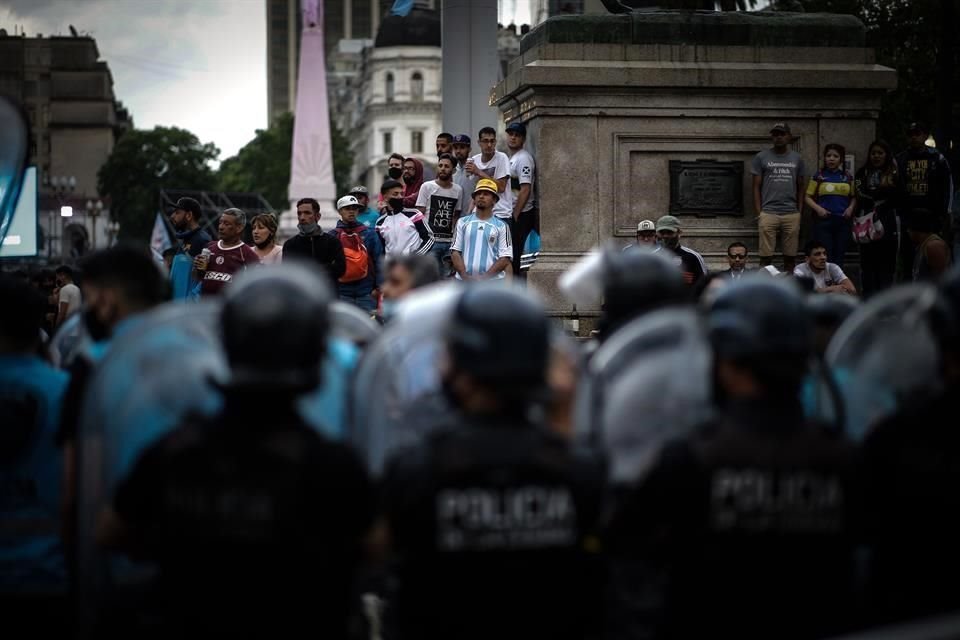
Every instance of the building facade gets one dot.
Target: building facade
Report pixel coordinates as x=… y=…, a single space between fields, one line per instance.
x=75 y=120
x=399 y=108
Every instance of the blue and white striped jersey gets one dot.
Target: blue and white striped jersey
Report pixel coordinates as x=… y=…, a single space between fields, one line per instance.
x=481 y=243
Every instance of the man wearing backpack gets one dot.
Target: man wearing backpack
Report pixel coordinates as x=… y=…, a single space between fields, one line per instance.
x=362 y=249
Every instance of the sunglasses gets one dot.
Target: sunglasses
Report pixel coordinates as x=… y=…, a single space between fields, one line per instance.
x=737 y=256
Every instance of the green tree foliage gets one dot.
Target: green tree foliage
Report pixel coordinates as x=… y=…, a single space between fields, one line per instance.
x=142 y=163
x=263 y=164
x=918 y=40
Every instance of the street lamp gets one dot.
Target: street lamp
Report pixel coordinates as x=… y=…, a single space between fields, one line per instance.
x=63 y=185
x=94 y=209
x=113 y=228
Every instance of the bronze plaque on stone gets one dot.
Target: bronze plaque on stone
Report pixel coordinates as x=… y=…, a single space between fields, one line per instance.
x=706 y=187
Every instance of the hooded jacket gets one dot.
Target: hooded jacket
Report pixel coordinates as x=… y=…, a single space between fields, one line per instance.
x=412 y=190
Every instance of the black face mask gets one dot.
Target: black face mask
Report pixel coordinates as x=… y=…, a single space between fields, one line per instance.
x=95 y=329
x=671 y=243
x=396 y=203
x=395 y=172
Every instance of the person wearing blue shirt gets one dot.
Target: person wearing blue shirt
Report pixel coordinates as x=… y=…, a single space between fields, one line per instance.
x=33 y=580
x=191 y=239
x=362 y=249
x=368 y=215
x=831 y=196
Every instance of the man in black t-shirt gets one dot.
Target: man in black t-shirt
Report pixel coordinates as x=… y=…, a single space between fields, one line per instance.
x=254 y=519
x=490 y=517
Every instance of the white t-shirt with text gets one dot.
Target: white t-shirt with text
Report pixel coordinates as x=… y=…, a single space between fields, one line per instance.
x=522 y=171
x=440 y=206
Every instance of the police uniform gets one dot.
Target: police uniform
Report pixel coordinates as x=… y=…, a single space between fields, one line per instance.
x=491 y=525
x=747 y=523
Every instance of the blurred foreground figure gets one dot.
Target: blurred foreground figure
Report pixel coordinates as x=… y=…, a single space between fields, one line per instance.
x=913 y=472
x=254 y=520
x=489 y=516
x=33 y=579
x=741 y=529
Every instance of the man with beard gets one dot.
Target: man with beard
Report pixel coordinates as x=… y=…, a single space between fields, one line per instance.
x=444 y=144
x=690 y=263
x=191 y=239
x=461 y=153
x=442 y=202
x=412 y=181
x=313 y=244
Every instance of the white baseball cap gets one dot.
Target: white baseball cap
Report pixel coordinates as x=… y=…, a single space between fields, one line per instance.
x=646 y=225
x=347 y=201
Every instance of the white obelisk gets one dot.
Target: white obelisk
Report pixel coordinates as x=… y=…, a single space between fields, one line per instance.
x=311 y=162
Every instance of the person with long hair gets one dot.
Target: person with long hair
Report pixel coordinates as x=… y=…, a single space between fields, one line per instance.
x=264 y=230
x=878 y=187
x=831 y=197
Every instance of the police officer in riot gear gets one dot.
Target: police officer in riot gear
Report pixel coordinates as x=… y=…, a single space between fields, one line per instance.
x=741 y=529
x=489 y=518
x=636 y=282
x=254 y=519
x=912 y=463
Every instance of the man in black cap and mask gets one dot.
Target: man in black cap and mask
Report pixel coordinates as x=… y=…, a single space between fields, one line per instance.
x=743 y=527
x=191 y=239
x=489 y=517
x=254 y=519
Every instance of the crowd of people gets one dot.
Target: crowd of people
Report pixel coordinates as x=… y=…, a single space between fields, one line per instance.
x=699 y=468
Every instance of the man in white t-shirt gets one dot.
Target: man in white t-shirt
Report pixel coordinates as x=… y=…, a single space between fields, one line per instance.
x=827 y=277
x=495 y=165
x=526 y=217
x=441 y=201
x=68 y=297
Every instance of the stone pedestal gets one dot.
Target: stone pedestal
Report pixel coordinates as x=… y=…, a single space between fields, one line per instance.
x=609 y=101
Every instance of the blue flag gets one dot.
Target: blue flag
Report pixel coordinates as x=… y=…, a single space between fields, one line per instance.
x=401 y=7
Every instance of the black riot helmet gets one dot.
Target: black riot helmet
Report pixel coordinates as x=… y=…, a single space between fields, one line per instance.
x=765 y=326
x=500 y=337
x=275 y=325
x=828 y=312
x=636 y=282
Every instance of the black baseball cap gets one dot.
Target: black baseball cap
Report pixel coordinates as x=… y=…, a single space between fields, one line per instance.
x=517 y=127
x=461 y=138
x=917 y=126
x=359 y=189
x=780 y=126
x=188 y=204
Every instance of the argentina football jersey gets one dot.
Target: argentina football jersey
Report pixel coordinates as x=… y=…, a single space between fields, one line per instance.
x=482 y=243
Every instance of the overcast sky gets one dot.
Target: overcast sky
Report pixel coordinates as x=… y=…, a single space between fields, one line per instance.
x=195 y=64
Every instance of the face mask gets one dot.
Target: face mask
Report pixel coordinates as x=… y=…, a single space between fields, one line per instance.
x=396 y=203
x=671 y=243
x=95 y=329
x=308 y=229
x=395 y=172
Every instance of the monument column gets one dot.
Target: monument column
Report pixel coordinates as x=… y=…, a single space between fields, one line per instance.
x=469 y=68
x=311 y=163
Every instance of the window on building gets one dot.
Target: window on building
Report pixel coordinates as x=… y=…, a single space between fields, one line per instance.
x=416 y=142
x=416 y=87
x=387 y=142
x=389 y=87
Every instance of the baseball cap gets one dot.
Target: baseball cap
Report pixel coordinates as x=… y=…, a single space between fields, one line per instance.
x=917 y=126
x=646 y=225
x=347 y=201
x=188 y=204
x=486 y=184
x=517 y=127
x=668 y=223
x=461 y=138
x=780 y=126
x=359 y=189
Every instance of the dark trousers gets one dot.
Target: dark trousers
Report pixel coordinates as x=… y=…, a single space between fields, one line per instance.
x=519 y=230
x=878 y=263
x=834 y=232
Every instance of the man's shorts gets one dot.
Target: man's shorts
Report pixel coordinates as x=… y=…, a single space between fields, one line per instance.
x=786 y=225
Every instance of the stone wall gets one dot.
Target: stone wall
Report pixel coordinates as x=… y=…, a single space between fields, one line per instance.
x=610 y=100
